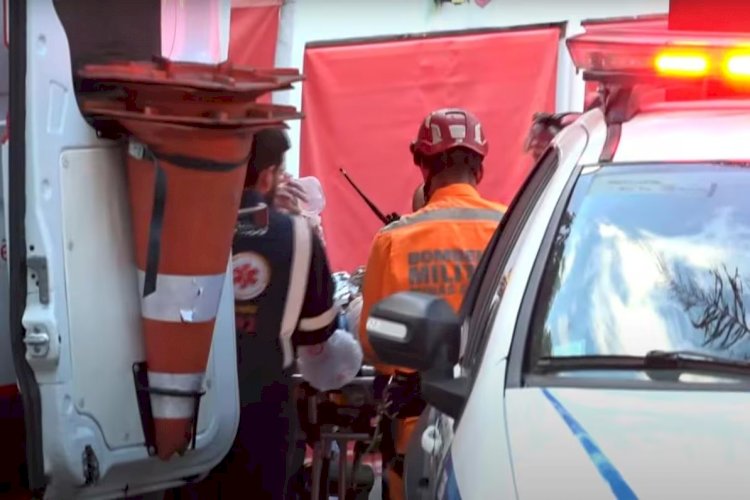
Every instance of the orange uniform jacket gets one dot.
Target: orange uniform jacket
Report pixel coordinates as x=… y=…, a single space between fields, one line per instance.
x=434 y=250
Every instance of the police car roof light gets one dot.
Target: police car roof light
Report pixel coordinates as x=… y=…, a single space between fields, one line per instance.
x=671 y=55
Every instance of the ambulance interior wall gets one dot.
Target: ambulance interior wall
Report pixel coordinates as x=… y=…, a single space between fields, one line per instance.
x=304 y=21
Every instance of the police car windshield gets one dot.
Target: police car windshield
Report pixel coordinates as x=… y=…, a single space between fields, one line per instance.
x=650 y=257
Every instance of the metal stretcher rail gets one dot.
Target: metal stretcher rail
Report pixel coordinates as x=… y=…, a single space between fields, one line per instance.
x=330 y=433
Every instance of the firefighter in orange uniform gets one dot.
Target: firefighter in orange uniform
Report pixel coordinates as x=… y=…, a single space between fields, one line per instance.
x=433 y=250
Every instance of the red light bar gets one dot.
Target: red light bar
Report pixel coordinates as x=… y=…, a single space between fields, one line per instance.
x=681 y=55
x=681 y=63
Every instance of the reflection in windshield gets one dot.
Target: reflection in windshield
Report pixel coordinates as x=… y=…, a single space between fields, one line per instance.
x=650 y=258
x=717 y=309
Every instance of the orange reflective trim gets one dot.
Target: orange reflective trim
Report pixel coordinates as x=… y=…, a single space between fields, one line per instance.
x=446 y=214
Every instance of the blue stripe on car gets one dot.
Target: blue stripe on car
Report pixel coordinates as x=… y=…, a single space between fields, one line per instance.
x=606 y=469
x=451 y=485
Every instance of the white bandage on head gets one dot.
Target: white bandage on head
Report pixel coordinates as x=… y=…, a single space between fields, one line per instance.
x=331 y=364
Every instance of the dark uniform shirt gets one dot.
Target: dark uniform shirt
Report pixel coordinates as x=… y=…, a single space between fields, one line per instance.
x=283 y=294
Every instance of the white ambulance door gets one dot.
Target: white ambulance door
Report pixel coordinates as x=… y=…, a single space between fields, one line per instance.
x=75 y=310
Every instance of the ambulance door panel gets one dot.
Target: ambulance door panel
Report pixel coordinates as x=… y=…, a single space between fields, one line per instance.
x=105 y=310
x=81 y=318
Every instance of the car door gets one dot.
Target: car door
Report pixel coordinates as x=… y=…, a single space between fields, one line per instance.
x=479 y=308
x=478 y=439
x=75 y=312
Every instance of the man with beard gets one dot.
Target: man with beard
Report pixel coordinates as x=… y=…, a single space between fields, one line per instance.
x=284 y=309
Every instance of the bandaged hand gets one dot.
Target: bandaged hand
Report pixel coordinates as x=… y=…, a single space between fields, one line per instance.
x=331 y=364
x=289 y=194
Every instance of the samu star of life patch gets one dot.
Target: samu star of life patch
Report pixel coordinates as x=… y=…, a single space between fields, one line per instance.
x=250 y=274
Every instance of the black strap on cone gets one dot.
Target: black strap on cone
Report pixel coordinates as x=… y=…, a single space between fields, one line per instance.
x=160 y=200
x=155 y=226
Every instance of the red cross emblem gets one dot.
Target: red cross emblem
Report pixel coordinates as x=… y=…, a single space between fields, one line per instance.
x=245 y=275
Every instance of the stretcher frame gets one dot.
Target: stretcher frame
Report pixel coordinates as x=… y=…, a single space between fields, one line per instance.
x=330 y=434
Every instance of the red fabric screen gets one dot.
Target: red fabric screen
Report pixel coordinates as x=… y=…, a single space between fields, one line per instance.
x=253 y=34
x=364 y=102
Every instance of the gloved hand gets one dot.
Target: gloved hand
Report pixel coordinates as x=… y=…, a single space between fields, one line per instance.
x=392 y=217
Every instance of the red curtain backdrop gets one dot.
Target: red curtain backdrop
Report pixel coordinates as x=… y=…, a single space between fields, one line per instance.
x=364 y=102
x=253 y=34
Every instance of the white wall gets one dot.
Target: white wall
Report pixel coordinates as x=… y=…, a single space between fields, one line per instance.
x=305 y=21
x=195 y=30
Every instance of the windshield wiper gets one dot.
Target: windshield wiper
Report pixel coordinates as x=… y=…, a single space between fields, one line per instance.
x=681 y=361
x=693 y=359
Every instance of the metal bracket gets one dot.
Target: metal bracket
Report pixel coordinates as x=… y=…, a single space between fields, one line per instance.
x=143 y=393
x=37 y=342
x=140 y=377
x=38 y=265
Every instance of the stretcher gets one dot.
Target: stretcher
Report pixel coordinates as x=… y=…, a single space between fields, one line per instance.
x=335 y=419
x=340 y=417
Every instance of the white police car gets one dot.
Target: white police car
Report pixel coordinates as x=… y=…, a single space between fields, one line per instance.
x=606 y=335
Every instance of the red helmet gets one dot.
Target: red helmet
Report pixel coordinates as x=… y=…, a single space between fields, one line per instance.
x=449 y=128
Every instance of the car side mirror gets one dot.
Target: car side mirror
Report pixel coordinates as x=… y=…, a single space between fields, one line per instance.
x=415 y=330
x=422 y=332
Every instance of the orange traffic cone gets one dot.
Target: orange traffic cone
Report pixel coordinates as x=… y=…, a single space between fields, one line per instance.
x=185 y=185
x=191 y=92
x=186 y=165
